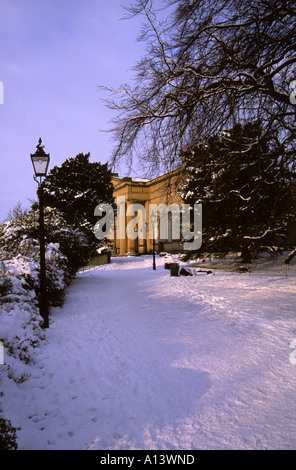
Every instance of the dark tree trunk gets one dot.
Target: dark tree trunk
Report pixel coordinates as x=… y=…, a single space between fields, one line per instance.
x=246 y=254
x=290 y=256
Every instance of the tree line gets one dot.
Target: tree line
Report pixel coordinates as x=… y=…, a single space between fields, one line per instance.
x=214 y=92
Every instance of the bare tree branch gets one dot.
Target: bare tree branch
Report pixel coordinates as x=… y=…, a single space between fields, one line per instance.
x=209 y=65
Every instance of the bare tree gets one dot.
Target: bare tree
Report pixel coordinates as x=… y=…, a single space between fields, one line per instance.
x=209 y=64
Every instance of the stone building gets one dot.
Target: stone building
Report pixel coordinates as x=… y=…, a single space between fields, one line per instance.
x=160 y=190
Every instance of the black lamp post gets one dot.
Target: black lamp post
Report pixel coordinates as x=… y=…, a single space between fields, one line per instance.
x=40 y=161
x=152 y=221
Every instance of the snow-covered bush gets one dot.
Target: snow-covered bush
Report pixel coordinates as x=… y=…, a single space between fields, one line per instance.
x=5 y=286
x=73 y=243
x=19 y=275
x=7 y=435
x=20 y=322
x=20 y=234
x=57 y=274
x=66 y=250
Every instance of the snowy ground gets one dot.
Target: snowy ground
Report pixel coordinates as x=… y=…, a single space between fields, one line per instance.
x=137 y=359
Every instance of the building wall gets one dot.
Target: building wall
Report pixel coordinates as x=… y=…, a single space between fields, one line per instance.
x=160 y=190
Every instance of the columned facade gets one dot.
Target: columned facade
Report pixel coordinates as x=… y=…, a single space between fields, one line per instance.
x=132 y=237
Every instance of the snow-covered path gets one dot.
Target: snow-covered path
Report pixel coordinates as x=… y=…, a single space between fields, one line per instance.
x=137 y=359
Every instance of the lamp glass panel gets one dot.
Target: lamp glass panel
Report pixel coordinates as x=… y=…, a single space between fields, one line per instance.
x=40 y=164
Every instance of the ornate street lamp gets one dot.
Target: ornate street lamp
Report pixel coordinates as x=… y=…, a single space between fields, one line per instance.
x=40 y=161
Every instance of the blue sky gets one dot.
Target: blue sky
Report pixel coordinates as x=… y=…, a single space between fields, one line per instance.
x=54 y=54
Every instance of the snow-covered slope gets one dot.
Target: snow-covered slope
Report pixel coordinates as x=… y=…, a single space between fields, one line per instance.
x=138 y=359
